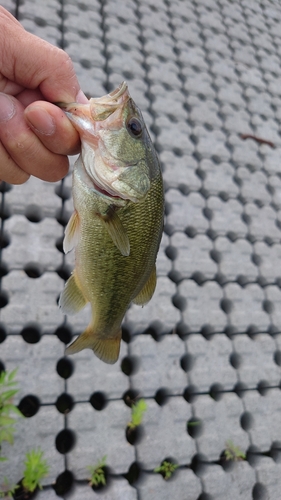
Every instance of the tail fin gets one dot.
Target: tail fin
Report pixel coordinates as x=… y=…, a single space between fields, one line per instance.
x=105 y=349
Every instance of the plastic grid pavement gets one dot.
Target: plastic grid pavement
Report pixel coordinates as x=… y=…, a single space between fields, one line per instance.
x=206 y=351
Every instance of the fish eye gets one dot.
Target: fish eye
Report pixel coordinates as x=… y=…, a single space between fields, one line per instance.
x=134 y=127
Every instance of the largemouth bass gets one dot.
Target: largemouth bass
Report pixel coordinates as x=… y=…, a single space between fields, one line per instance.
x=117 y=223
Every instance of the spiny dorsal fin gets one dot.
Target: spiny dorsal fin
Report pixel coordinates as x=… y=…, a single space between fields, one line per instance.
x=71 y=234
x=148 y=290
x=116 y=231
x=72 y=299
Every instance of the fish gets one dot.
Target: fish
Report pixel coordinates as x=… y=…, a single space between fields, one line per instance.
x=117 y=223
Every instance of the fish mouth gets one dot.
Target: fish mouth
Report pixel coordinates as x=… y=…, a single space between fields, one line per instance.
x=100 y=184
x=91 y=183
x=97 y=109
x=104 y=192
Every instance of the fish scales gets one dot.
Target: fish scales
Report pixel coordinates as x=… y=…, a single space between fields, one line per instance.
x=117 y=224
x=124 y=277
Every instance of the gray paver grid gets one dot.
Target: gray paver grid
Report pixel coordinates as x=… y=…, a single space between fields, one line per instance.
x=207 y=349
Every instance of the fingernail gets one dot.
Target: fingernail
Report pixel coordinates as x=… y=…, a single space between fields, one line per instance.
x=7 y=108
x=40 y=120
x=81 y=98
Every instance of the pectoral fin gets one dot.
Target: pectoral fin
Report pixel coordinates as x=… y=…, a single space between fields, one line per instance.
x=105 y=349
x=147 y=291
x=72 y=299
x=71 y=233
x=116 y=231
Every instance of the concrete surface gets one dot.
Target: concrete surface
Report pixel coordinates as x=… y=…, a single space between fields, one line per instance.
x=205 y=353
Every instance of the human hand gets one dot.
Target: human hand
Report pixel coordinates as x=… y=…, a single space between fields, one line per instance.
x=35 y=135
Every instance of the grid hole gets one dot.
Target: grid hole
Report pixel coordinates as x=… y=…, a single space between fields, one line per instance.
x=31 y=333
x=226 y=305
x=187 y=362
x=216 y=392
x=235 y=360
x=126 y=336
x=65 y=368
x=64 y=333
x=240 y=389
x=4 y=299
x=195 y=427
x=205 y=496
x=63 y=191
x=179 y=302
x=34 y=270
x=59 y=244
x=130 y=396
x=98 y=400
x=100 y=486
x=3 y=333
x=5 y=212
x=277 y=356
x=260 y=492
x=64 y=271
x=62 y=216
x=198 y=464
x=34 y=213
x=5 y=240
x=133 y=473
x=63 y=483
x=161 y=396
x=4 y=269
x=263 y=387
x=65 y=441
x=246 y=421
x=190 y=393
x=5 y=187
x=129 y=365
x=190 y=231
x=134 y=435
x=171 y=252
x=29 y=405
x=275 y=451
x=64 y=403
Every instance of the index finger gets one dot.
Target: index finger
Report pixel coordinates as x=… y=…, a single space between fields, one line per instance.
x=48 y=68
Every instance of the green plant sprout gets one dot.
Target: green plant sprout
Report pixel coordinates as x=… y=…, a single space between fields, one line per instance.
x=233 y=452
x=138 y=411
x=97 y=473
x=8 y=490
x=8 y=390
x=194 y=423
x=36 y=468
x=166 y=469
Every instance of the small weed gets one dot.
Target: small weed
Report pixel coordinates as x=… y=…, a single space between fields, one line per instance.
x=36 y=468
x=138 y=411
x=8 y=390
x=97 y=473
x=193 y=423
x=166 y=469
x=233 y=452
x=8 y=489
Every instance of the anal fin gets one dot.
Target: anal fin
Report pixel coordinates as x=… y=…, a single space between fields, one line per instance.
x=116 y=231
x=72 y=299
x=147 y=291
x=106 y=349
x=71 y=233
